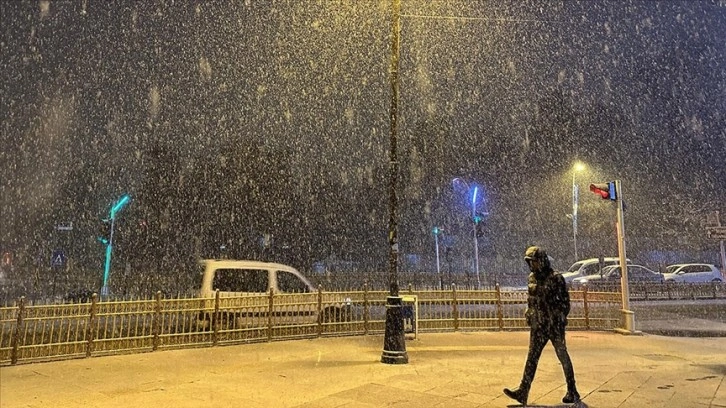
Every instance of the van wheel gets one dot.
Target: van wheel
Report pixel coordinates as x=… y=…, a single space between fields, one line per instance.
x=203 y=322
x=336 y=314
x=330 y=315
x=716 y=280
x=228 y=320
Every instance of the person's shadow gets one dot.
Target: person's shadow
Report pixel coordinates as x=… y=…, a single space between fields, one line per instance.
x=579 y=404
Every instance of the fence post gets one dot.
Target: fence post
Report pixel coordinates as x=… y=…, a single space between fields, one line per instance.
x=269 y=315
x=455 y=308
x=586 y=307
x=366 y=311
x=668 y=290
x=215 y=319
x=320 y=310
x=16 y=334
x=157 y=321
x=500 y=314
x=91 y=329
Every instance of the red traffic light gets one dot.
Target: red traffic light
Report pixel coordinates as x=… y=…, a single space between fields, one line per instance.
x=605 y=190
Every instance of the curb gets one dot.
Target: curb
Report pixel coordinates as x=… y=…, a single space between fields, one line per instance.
x=685 y=332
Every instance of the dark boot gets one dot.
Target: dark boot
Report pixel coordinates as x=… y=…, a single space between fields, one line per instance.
x=571 y=397
x=520 y=395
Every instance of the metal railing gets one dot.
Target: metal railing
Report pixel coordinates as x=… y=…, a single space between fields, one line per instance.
x=30 y=333
x=665 y=291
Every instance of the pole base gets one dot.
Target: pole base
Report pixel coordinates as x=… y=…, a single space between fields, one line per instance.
x=626 y=332
x=394 y=342
x=394 y=357
x=628 y=324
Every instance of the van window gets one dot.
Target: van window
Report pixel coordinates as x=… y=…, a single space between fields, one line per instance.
x=240 y=280
x=575 y=267
x=591 y=269
x=290 y=283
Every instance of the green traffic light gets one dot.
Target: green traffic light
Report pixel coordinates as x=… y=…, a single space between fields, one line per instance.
x=119 y=205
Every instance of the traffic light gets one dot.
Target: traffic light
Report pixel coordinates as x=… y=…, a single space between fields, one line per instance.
x=480 y=230
x=104 y=231
x=478 y=225
x=605 y=190
x=437 y=230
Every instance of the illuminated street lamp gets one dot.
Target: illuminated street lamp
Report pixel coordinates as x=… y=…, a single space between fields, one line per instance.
x=473 y=192
x=121 y=203
x=577 y=167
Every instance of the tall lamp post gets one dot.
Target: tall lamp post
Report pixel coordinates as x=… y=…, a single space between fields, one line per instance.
x=394 y=342
x=118 y=205
x=438 y=231
x=578 y=166
x=475 y=219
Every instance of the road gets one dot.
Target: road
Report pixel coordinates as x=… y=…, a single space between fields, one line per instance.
x=682 y=318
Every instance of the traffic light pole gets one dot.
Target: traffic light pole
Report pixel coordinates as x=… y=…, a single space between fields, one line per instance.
x=437 y=231
x=107 y=264
x=118 y=205
x=628 y=315
x=476 y=248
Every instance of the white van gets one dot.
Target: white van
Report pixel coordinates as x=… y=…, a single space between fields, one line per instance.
x=589 y=266
x=247 y=287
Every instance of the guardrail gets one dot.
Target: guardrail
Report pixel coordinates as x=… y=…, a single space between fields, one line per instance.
x=31 y=333
x=665 y=291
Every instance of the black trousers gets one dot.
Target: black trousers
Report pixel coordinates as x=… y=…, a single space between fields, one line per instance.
x=538 y=338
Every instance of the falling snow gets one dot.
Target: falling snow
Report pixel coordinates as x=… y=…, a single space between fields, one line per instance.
x=231 y=121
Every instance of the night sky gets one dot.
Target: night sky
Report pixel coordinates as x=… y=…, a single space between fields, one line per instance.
x=505 y=94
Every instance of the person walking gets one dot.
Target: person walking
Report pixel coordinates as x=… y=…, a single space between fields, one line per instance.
x=548 y=304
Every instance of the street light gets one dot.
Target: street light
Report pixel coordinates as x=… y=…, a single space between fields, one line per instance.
x=475 y=219
x=578 y=166
x=438 y=231
x=121 y=203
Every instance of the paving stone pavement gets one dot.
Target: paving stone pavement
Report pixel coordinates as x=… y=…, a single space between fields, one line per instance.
x=452 y=370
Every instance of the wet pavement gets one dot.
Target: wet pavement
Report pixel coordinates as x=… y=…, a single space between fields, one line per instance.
x=462 y=369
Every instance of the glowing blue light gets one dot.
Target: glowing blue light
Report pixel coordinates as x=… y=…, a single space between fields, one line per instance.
x=119 y=204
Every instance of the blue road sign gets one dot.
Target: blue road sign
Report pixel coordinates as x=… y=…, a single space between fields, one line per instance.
x=58 y=259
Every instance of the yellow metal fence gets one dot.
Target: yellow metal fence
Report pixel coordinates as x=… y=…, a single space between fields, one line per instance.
x=30 y=333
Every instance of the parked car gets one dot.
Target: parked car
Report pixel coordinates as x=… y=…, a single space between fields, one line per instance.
x=692 y=273
x=587 y=267
x=244 y=290
x=611 y=276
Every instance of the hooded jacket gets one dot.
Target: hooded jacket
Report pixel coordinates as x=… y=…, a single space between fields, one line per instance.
x=548 y=301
